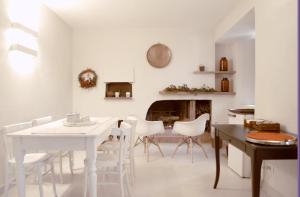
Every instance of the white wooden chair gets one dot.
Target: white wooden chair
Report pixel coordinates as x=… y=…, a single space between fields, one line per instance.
x=32 y=161
x=145 y=130
x=113 y=144
x=60 y=154
x=132 y=120
x=113 y=162
x=190 y=131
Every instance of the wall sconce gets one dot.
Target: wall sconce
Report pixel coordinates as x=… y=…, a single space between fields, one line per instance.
x=22 y=36
x=23 y=48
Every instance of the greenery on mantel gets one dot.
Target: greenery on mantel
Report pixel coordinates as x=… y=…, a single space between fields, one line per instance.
x=184 y=88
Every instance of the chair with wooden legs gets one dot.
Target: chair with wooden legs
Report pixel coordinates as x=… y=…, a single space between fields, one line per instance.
x=145 y=130
x=61 y=154
x=191 y=131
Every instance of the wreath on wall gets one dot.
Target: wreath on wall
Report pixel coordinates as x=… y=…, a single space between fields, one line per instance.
x=87 y=78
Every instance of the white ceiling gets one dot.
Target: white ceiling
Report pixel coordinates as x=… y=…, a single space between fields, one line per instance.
x=244 y=28
x=200 y=14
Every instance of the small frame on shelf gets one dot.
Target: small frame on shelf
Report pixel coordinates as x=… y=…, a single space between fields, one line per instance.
x=118 y=90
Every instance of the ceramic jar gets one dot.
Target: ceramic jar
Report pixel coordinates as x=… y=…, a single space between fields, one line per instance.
x=224 y=85
x=223 y=64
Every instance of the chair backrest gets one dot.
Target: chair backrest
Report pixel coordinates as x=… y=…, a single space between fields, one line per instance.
x=191 y=128
x=200 y=122
x=125 y=138
x=132 y=120
x=8 y=145
x=40 y=121
x=145 y=127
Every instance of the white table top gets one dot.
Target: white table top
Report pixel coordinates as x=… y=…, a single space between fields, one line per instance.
x=57 y=128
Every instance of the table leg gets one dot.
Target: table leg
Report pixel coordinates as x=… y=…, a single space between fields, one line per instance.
x=217 y=153
x=20 y=175
x=256 y=170
x=91 y=168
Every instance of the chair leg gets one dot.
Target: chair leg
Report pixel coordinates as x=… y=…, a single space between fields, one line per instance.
x=85 y=180
x=53 y=179
x=6 y=180
x=132 y=170
x=146 y=141
x=128 y=185
x=138 y=141
x=188 y=146
x=200 y=145
x=156 y=144
x=122 y=184
x=180 y=143
x=40 y=179
x=61 y=167
x=191 y=149
x=71 y=160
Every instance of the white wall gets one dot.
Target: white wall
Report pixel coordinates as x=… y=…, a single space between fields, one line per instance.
x=126 y=48
x=275 y=78
x=46 y=91
x=276 y=81
x=240 y=53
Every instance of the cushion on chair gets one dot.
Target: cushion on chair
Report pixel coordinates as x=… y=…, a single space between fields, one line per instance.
x=32 y=158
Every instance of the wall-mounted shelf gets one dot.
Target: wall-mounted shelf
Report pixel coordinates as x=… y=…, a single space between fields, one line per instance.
x=122 y=87
x=191 y=93
x=215 y=72
x=118 y=98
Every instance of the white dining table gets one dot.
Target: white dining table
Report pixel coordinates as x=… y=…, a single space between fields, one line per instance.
x=54 y=136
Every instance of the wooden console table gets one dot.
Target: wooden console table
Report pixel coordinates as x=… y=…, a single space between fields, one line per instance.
x=235 y=135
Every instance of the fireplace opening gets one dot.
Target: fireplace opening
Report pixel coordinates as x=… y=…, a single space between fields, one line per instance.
x=170 y=111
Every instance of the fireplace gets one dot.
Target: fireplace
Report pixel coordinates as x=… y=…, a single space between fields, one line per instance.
x=170 y=111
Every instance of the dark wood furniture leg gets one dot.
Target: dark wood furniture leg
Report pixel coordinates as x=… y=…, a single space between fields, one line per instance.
x=217 y=153
x=256 y=162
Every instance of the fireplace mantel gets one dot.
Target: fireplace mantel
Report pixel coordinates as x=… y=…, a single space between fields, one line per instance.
x=189 y=93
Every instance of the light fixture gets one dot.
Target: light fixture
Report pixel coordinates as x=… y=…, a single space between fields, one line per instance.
x=18 y=35
x=22 y=63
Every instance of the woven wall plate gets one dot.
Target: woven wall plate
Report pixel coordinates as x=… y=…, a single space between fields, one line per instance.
x=159 y=55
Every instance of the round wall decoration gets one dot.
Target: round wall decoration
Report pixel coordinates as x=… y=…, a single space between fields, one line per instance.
x=87 y=78
x=159 y=55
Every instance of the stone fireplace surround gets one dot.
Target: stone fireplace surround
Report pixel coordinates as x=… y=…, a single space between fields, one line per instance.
x=170 y=111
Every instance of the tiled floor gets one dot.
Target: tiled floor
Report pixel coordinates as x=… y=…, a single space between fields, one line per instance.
x=161 y=177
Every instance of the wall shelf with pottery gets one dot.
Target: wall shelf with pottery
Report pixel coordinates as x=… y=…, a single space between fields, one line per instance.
x=223 y=76
x=215 y=72
x=118 y=90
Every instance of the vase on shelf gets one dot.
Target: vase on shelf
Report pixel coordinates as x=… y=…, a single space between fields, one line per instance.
x=223 y=64
x=117 y=94
x=224 y=85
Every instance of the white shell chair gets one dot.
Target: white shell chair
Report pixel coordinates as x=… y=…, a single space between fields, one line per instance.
x=60 y=154
x=32 y=161
x=190 y=130
x=145 y=130
x=113 y=162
